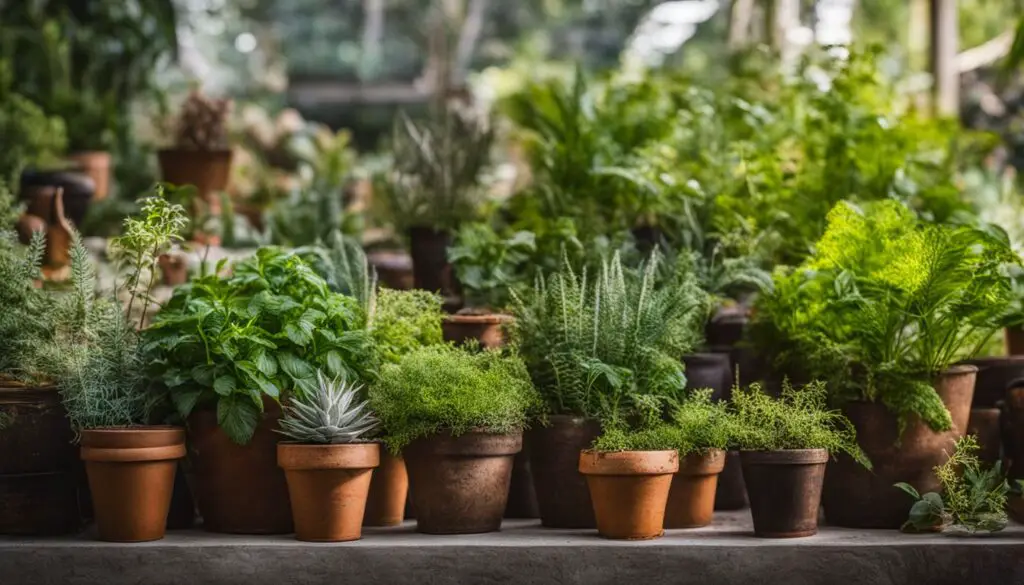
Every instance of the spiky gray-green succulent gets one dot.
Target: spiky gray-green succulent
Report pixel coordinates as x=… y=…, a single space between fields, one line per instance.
x=332 y=415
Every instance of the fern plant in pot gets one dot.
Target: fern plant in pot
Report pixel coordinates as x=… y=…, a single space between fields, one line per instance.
x=882 y=311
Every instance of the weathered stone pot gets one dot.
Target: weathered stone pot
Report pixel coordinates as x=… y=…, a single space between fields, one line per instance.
x=629 y=490
x=563 y=498
x=985 y=425
x=785 y=490
x=1013 y=428
x=691 y=501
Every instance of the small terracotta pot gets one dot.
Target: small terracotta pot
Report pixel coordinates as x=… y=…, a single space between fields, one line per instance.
x=328 y=486
x=389 y=487
x=487 y=330
x=731 y=493
x=95 y=164
x=691 y=501
x=563 y=497
x=985 y=425
x=629 y=490
x=209 y=171
x=459 y=485
x=1014 y=337
x=131 y=478
x=785 y=490
x=430 y=268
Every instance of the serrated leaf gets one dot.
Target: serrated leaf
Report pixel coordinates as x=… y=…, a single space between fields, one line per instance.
x=225 y=385
x=265 y=362
x=295 y=366
x=237 y=416
x=335 y=365
x=204 y=374
x=185 y=400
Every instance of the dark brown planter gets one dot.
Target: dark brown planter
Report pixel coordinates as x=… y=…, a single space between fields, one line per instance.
x=1014 y=337
x=182 y=515
x=131 y=476
x=430 y=268
x=522 y=499
x=994 y=376
x=629 y=490
x=459 y=485
x=487 y=330
x=1015 y=507
x=984 y=424
x=208 y=170
x=96 y=165
x=38 y=462
x=394 y=269
x=563 y=498
x=328 y=486
x=856 y=497
x=732 y=491
x=785 y=490
x=726 y=327
x=1013 y=430
x=691 y=501
x=239 y=488
x=709 y=370
x=385 y=504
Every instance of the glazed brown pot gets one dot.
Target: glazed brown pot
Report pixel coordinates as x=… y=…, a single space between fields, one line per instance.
x=731 y=493
x=1014 y=337
x=430 y=268
x=629 y=490
x=994 y=377
x=209 y=171
x=856 y=497
x=131 y=477
x=709 y=370
x=985 y=425
x=691 y=501
x=389 y=487
x=563 y=497
x=239 y=488
x=328 y=486
x=459 y=485
x=785 y=490
x=95 y=164
x=487 y=330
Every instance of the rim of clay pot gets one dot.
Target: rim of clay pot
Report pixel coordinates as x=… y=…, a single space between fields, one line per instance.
x=628 y=462
x=710 y=462
x=488 y=319
x=990 y=361
x=296 y=456
x=958 y=370
x=786 y=457
x=468 y=444
x=129 y=444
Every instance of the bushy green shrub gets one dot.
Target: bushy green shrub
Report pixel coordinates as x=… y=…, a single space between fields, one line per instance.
x=698 y=424
x=404 y=321
x=448 y=389
x=663 y=437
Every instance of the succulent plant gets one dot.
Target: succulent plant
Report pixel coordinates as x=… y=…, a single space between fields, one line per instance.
x=333 y=415
x=202 y=122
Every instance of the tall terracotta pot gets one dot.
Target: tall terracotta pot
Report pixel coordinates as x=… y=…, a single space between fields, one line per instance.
x=328 y=486
x=487 y=330
x=562 y=495
x=430 y=268
x=209 y=171
x=856 y=497
x=95 y=164
x=389 y=487
x=691 y=501
x=131 y=477
x=629 y=490
x=785 y=490
x=239 y=488
x=459 y=485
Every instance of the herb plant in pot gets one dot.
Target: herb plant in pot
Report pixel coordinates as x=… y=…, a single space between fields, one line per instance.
x=457 y=417
x=703 y=430
x=784 y=444
x=328 y=463
x=883 y=311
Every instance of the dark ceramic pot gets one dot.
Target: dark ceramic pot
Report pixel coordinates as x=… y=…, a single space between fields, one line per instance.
x=732 y=491
x=430 y=268
x=785 y=490
x=709 y=370
x=78 y=190
x=562 y=494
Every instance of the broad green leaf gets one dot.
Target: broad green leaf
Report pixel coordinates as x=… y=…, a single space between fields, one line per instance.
x=225 y=385
x=204 y=374
x=237 y=416
x=185 y=400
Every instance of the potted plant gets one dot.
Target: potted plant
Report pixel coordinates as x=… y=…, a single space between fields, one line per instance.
x=784 y=444
x=229 y=349
x=882 y=311
x=704 y=431
x=328 y=463
x=599 y=350
x=457 y=417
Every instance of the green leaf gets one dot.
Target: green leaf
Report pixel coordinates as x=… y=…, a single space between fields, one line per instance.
x=225 y=385
x=335 y=365
x=237 y=416
x=265 y=362
x=909 y=489
x=185 y=399
x=204 y=374
x=295 y=366
x=300 y=333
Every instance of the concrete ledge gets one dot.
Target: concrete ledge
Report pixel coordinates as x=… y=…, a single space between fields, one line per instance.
x=524 y=553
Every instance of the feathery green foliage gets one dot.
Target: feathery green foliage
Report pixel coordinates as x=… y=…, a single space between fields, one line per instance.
x=488 y=266
x=343 y=264
x=442 y=388
x=661 y=437
x=405 y=321
x=331 y=416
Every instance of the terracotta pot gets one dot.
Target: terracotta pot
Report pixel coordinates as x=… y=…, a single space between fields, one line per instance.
x=430 y=268
x=394 y=269
x=984 y=424
x=239 y=488
x=522 y=500
x=208 y=171
x=785 y=490
x=95 y=164
x=1014 y=337
x=131 y=477
x=173 y=269
x=459 y=485
x=691 y=501
x=488 y=330
x=629 y=490
x=856 y=497
x=709 y=370
x=994 y=376
x=731 y=493
x=563 y=497
x=389 y=487
x=328 y=486
x=38 y=485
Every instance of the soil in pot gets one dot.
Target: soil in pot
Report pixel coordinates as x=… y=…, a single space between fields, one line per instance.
x=430 y=268
x=459 y=485
x=328 y=486
x=389 y=487
x=731 y=493
x=487 y=329
x=994 y=377
x=856 y=497
x=239 y=488
x=709 y=370
x=785 y=490
x=629 y=490
x=563 y=498
x=691 y=500
x=131 y=477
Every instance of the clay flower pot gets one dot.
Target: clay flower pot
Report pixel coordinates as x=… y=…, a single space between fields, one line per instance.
x=785 y=490
x=328 y=486
x=629 y=490
x=459 y=485
x=209 y=171
x=430 y=268
x=488 y=329
x=95 y=164
x=173 y=268
x=563 y=497
x=389 y=487
x=131 y=477
x=856 y=497
x=691 y=501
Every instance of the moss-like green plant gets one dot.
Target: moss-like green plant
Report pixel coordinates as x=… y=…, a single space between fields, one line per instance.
x=703 y=423
x=798 y=419
x=404 y=321
x=663 y=437
x=448 y=389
